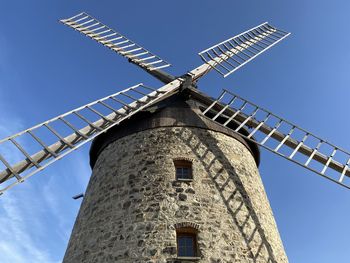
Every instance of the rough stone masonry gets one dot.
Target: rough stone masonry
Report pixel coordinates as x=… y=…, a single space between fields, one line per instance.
x=134 y=204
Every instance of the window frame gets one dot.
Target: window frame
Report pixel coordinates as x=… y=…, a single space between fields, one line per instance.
x=183 y=164
x=187 y=232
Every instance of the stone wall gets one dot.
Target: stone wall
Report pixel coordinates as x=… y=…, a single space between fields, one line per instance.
x=133 y=202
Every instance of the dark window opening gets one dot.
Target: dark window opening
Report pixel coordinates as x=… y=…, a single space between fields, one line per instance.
x=183 y=170
x=186 y=242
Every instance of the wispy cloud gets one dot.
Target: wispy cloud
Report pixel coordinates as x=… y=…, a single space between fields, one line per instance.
x=17 y=218
x=37 y=216
x=16 y=244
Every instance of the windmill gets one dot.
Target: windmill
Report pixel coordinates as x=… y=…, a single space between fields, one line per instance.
x=253 y=123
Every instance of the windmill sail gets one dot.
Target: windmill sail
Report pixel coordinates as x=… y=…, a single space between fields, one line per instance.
x=281 y=137
x=63 y=134
x=233 y=53
x=91 y=27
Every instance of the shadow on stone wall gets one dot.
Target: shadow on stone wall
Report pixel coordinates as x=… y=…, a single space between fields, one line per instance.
x=236 y=201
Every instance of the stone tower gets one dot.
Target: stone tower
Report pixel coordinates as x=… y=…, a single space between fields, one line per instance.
x=170 y=185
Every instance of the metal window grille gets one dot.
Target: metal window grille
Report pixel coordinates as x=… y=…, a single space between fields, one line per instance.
x=183 y=170
x=186 y=245
x=183 y=173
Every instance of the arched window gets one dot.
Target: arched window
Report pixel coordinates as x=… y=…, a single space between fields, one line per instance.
x=183 y=170
x=186 y=238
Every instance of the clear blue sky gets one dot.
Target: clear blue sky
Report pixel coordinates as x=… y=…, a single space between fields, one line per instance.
x=47 y=69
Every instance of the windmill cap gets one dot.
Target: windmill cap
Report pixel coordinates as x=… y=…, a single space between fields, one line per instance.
x=180 y=110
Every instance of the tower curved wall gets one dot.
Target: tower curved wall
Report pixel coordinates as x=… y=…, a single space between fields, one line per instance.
x=134 y=203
